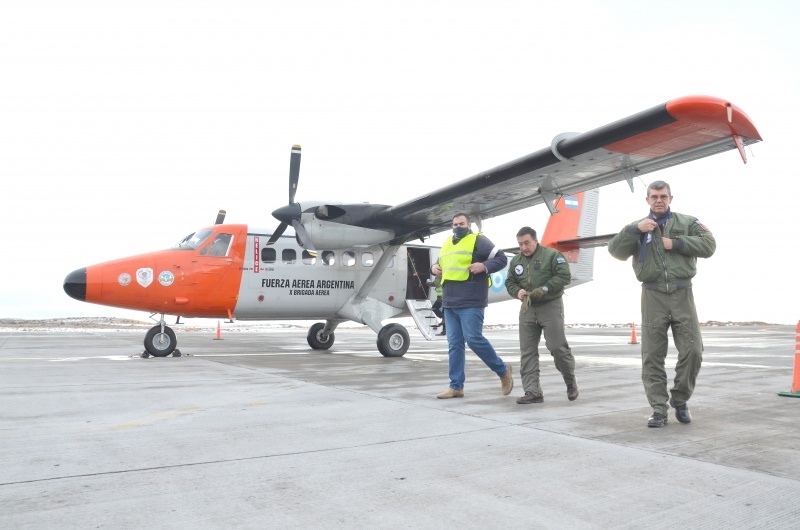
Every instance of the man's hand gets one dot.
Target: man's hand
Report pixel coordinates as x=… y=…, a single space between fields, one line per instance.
x=537 y=294
x=437 y=270
x=667 y=243
x=477 y=268
x=521 y=294
x=647 y=225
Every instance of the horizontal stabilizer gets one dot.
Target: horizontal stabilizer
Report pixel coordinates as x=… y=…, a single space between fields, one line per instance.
x=584 y=242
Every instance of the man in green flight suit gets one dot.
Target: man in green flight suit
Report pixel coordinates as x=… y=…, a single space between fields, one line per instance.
x=537 y=277
x=665 y=246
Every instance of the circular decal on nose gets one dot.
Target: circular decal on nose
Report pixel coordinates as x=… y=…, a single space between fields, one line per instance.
x=166 y=278
x=124 y=279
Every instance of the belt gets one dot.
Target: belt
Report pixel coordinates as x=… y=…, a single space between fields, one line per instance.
x=680 y=283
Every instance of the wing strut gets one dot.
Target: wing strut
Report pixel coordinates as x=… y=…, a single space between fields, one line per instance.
x=359 y=307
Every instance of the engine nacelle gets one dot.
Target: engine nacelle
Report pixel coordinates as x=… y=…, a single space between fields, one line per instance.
x=327 y=235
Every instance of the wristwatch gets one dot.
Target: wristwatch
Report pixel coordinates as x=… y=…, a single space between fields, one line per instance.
x=545 y=289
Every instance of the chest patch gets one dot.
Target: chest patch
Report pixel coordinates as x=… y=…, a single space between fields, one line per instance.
x=518 y=270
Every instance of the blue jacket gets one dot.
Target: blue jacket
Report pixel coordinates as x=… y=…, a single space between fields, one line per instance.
x=474 y=291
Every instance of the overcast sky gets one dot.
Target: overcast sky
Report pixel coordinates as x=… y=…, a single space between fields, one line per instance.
x=126 y=126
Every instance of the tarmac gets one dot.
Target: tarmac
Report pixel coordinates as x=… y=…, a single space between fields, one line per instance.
x=256 y=430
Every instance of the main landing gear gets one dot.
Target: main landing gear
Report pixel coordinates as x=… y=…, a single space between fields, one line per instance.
x=160 y=341
x=393 y=340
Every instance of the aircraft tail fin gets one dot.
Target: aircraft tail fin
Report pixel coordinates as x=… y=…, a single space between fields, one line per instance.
x=572 y=230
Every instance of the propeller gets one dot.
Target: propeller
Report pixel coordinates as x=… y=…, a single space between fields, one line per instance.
x=290 y=214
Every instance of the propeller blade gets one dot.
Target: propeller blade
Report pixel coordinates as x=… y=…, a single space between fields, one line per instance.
x=302 y=235
x=277 y=233
x=288 y=214
x=294 y=172
x=220 y=217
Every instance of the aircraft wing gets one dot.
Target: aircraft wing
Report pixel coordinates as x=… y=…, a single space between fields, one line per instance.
x=666 y=135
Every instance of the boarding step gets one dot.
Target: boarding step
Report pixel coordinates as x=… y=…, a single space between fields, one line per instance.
x=426 y=320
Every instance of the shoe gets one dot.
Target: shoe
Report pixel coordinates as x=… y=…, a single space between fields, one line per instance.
x=572 y=391
x=506 y=381
x=682 y=413
x=529 y=398
x=451 y=393
x=657 y=420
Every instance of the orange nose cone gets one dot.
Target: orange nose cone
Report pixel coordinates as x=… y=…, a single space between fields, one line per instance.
x=75 y=284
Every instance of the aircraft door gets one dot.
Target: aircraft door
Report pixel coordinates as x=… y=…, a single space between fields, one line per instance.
x=418 y=273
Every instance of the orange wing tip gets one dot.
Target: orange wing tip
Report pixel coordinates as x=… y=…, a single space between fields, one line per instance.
x=713 y=113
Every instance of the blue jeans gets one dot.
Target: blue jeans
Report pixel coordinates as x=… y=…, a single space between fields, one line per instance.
x=466 y=324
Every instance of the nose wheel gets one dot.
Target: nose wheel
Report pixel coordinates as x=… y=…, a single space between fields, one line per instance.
x=318 y=339
x=160 y=341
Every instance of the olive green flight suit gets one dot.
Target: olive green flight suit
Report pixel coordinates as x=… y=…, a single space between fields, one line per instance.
x=668 y=302
x=546 y=267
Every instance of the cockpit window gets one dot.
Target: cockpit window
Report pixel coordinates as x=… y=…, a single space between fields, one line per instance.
x=219 y=247
x=193 y=240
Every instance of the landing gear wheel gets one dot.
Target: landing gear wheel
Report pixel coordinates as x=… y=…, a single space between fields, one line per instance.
x=393 y=340
x=160 y=344
x=318 y=340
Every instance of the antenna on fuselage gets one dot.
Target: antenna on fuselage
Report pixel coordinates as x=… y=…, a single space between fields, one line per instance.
x=220 y=217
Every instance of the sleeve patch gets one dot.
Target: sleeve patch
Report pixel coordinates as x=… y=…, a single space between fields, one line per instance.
x=560 y=260
x=701 y=225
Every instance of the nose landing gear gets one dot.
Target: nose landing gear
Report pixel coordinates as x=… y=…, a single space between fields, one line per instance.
x=160 y=341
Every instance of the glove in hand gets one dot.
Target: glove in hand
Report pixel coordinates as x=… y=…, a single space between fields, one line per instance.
x=537 y=294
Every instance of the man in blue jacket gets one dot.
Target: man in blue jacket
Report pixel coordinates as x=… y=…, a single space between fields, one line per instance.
x=465 y=262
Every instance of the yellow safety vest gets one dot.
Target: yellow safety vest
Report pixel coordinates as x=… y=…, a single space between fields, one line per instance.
x=455 y=259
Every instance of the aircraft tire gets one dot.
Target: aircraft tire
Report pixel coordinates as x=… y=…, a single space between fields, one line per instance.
x=393 y=340
x=317 y=340
x=160 y=344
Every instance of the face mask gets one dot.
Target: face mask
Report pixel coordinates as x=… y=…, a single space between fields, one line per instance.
x=460 y=231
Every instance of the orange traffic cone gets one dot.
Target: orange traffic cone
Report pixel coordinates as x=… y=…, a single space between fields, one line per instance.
x=219 y=332
x=796 y=379
x=633 y=334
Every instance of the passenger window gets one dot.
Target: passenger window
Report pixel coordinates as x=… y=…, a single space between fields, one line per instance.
x=268 y=255
x=328 y=258
x=367 y=259
x=309 y=258
x=349 y=258
x=289 y=256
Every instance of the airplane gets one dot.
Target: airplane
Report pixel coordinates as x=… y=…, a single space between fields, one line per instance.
x=355 y=262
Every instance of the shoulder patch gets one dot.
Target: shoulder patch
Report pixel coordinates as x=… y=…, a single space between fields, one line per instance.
x=701 y=225
x=560 y=259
